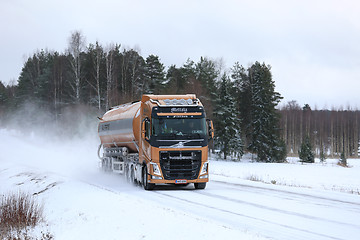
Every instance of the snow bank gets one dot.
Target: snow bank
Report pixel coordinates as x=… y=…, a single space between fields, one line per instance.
x=324 y=176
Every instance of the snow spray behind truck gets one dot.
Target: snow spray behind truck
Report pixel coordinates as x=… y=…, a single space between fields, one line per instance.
x=162 y=139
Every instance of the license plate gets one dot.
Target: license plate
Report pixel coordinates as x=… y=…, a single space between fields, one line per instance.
x=180 y=181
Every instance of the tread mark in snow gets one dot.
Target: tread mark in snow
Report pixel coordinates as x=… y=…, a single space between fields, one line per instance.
x=250 y=217
x=288 y=192
x=275 y=209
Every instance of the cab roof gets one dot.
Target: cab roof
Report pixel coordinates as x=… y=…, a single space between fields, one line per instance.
x=172 y=100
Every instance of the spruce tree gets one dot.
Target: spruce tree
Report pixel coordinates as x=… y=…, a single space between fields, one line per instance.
x=227 y=125
x=306 y=153
x=206 y=74
x=175 y=81
x=154 y=75
x=34 y=82
x=188 y=69
x=265 y=134
x=343 y=161
x=3 y=95
x=178 y=80
x=243 y=96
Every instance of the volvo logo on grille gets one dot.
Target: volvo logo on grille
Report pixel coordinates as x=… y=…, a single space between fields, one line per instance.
x=178 y=145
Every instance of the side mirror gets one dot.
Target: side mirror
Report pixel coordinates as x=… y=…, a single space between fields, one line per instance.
x=210 y=128
x=145 y=127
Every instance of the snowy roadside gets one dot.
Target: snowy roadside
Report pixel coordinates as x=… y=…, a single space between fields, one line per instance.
x=319 y=176
x=77 y=210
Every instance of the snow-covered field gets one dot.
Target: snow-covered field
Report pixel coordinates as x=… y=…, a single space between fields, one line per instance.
x=243 y=200
x=320 y=176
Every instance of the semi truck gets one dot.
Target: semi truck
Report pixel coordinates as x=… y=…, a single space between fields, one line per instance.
x=162 y=139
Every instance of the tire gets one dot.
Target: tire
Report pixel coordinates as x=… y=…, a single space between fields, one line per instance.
x=105 y=165
x=147 y=186
x=103 y=168
x=132 y=175
x=127 y=173
x=200 y=185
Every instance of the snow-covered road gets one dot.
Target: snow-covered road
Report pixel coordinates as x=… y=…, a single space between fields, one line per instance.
x=269 y=211
x=82 y=202
x=281 y=213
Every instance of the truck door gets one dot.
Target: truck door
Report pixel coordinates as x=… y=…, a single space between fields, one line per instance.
x=145 y=139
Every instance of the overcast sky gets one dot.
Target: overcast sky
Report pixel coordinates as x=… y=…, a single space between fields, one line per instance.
x=313 y=46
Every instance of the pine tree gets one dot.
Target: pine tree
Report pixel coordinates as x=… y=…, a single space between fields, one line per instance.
x=280 y=151
x=264 y=125
x=228 y=135
x=343 y=161
x=243 y=96
x=175 y=81
x=34 y=81
x=206 y=74
x=188 y=70
x=180 y=80
x=306 y=153
x=3 y=94
x=154 y=75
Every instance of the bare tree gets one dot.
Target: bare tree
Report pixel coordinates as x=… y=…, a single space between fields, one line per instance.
x=96 y=53
x=332 y=132
x=132 y=73
x=59 y=71
x=76 y=47
x=109 y=73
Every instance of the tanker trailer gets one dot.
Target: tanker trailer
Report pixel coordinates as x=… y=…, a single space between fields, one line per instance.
x=162 y=139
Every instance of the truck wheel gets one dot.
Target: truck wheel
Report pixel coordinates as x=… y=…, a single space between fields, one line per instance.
x=147 y=186
x=132 y=175
x=200 y=185
x=127 y=173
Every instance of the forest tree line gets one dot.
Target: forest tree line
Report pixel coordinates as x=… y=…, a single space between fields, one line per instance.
x=331 y=132
x=241 y=101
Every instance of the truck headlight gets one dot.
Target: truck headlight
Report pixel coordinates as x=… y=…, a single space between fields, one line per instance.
x=204 y=169
x=156 y=169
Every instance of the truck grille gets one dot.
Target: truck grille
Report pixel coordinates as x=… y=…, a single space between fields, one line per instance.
x=180 y=164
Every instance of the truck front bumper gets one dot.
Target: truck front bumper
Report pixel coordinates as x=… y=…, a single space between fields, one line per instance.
x=178 y=181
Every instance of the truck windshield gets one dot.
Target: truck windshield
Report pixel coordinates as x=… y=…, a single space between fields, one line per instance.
x=179 y=126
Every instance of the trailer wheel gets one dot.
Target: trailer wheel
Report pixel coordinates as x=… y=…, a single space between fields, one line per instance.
x=200 y=185
x=147 y=186
x=105 y=164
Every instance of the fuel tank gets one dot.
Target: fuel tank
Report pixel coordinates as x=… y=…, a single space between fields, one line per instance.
x=120 y=127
